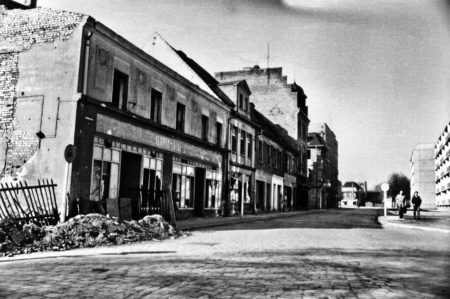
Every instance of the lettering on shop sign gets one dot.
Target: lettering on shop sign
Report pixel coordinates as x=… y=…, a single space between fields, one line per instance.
x=114 y=127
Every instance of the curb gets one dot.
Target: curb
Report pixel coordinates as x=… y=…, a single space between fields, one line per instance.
x=238 y=220
x=386 y=223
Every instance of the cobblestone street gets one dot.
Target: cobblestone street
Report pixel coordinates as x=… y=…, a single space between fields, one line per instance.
x=324 y=255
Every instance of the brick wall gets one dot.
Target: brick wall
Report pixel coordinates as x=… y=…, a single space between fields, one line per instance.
x=19 y=31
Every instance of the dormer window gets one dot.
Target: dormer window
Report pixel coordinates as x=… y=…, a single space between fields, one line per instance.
x=246 y=104
x=241 y=101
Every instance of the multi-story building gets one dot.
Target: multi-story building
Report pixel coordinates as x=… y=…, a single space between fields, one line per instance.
x=241 y=136
x=352 y=194
x=283 y=104
x=138 y=125
x=442 y=169
x=422 y=174
x=323 y=166
x=277 y=161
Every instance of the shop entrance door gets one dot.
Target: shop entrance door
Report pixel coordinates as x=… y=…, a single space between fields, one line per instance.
x=129 y=186
x=268 y=197
x=199 y=199
x=260 y=195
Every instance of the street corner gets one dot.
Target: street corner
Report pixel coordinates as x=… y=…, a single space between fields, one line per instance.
x=411 y=223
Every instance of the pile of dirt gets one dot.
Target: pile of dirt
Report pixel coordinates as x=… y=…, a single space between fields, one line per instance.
x=81 y=231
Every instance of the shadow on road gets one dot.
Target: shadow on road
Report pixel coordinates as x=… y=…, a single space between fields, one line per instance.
x=331 y=219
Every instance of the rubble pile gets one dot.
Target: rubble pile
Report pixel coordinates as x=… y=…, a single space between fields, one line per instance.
x=81 y=231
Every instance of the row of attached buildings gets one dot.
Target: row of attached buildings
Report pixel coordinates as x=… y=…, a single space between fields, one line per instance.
x=141 y=123
x=430 y=172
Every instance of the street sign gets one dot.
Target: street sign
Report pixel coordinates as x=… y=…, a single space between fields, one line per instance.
x=69 y=153
x=385 y=187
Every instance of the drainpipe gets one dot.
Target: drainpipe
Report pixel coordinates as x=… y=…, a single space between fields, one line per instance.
x=86 y=60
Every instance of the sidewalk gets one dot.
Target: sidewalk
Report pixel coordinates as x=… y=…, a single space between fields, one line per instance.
x=203 y=222
x=433 y=220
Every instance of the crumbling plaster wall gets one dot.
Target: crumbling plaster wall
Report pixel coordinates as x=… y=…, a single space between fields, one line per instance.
x=27 y=44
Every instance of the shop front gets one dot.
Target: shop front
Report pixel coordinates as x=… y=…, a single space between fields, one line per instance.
x=132 y=168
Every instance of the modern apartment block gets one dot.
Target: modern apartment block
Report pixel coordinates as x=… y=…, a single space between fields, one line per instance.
x=422 y=174
x=442 y=169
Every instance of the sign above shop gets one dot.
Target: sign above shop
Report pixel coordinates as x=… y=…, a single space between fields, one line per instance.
x=127 y=131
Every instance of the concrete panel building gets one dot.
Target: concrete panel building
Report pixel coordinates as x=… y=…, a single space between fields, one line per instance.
x=422 y=174
x=442 y=169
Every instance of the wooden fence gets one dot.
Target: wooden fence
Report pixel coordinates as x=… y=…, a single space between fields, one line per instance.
x=29 y=204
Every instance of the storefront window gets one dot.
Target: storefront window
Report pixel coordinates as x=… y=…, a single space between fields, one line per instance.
x=105 y=176
x=152 y=182
x=183 y=185
x=213 y=189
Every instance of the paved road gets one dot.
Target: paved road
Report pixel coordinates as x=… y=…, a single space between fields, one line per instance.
x=323 y=255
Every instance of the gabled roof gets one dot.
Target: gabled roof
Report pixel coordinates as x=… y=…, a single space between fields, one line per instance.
x=240 y=83
x=274 y=131
x=314 y=139
x=186 y=67
x=352 y=184
x=206 y=77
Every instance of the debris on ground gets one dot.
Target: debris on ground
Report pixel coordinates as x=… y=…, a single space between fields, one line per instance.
x=81 y=231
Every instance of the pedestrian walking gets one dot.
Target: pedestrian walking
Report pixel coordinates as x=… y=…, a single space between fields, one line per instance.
x=416 y=201
x=400 y=200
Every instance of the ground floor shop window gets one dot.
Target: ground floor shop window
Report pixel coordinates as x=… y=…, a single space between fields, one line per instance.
x=152 y=182
x=105 y=177
x=213 y=189
x=183 y=185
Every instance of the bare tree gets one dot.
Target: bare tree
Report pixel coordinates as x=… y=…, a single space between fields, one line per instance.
x=399 y=181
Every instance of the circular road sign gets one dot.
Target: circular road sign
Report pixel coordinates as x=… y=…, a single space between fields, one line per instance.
x=69 y=153
x=385 y=187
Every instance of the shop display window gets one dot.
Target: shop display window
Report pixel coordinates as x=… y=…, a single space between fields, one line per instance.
x=183 y=185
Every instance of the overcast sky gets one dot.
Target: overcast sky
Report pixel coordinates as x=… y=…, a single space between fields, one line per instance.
x=378 y=72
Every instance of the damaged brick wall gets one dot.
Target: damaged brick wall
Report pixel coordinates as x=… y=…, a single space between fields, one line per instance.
x=19 y=31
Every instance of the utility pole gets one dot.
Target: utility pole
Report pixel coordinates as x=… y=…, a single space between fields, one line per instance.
x=268 y=59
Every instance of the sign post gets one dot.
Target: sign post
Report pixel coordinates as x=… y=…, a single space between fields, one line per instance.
x=69 y=156
x=385 y=188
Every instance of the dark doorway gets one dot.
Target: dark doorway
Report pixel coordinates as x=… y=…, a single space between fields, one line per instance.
x=268 y=197
x=260 y=195
x=200 y=179
x=288 y=194
x=129 y=185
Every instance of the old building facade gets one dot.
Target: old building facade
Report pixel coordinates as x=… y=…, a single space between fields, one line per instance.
x=283 y=104
x=137 y=125
x=277 y=166
x=323 y=166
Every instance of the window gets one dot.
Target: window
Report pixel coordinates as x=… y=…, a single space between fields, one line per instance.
x=205 y=127
x=270 y=150
x=152 y=183
x=233 y=139
x=180 y=117
x=183 y=185
x=213 y=189
x=241 y=101
x=105 y=175
x=249 y=146
x=260 y=150
x=242 y=149
x=266 y=153
x=156 y=99
x=120 y=90
x=218 y=133
x=246 y=108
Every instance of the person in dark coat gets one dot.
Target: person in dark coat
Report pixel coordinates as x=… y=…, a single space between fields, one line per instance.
x=416 y=201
